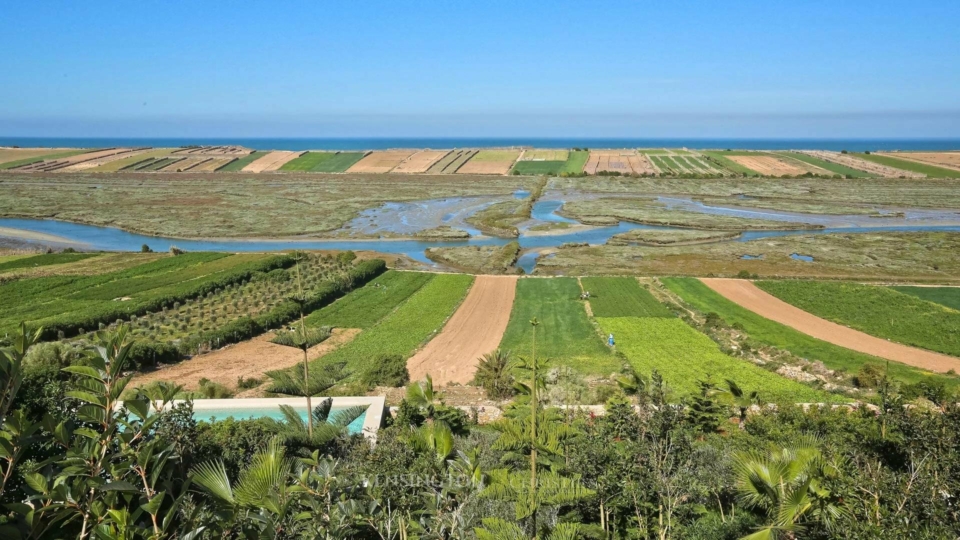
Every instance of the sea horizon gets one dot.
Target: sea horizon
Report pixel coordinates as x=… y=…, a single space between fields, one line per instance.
x=381 y=143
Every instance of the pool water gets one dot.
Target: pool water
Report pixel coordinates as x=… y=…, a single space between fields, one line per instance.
x=251 y=413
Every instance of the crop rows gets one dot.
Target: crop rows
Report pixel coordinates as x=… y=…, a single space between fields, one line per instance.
x=621 y=297
x=878 y=311
x=404 y=329
x=945 y=296
x=46 y=259
x=365 y=307
x=682 y=355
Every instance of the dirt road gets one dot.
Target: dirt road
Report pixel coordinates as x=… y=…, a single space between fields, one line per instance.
x=750 y=296
x=474 y=330
x=251 y=358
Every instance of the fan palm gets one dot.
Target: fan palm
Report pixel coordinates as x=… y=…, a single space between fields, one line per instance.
x=493 y=374
x=741 y=399
x=422 y=395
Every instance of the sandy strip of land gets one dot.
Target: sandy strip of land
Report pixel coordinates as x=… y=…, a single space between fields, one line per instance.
x=751 y=297
x=947 y=160
x=420 y=162
x=473 y=331
x=271 y=161
x=32 y=236
x=251 y=358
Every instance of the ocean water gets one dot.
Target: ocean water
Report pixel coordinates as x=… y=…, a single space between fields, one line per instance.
x=857 y=145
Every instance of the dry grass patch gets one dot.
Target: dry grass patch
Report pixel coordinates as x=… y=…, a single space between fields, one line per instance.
x=545 y=155
x=949 y=160
x=490 y=162
x=421 y=161
x=271 y=161
x=380 y=162
x=777 y=166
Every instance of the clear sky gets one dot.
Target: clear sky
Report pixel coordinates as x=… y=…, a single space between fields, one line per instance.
x=812 y=68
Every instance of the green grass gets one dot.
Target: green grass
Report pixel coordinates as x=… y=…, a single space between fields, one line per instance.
x=239 y=164
x=35 y=159
x=307 y=162
x=929 y=170
x=338 y=162
x=365 y=307
x=538 y=167
x=720 y=159
x=575 y=162
x=842 y=170
x=945 y=296
x=772 y=333
x=622 y=297
x=411 y=324
x=878 y=311
x=496 y=155
x=565 y=332
x=44 y=260
x=683 y=356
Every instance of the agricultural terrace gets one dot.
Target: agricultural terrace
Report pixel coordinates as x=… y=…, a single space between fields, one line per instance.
x=339 y=163
x=534 y=162
x=366 y=306
x=945 y=296
x=307 y=161
x=420 y=162
x=878 y=311
x=403 y=330
x=380 y=161
x=766 y=332
x=46 y=259
x=776 y=165
x=722 y=159
x=946 y=160
x=618 y=161
x=490 y=162
x=271 y=162
x=68 y=305
x=835 y=168
x=17 y=157
x=94 y=264
x=240 y=164
x=909 y=165
x=451 y=162
x=565 y=333
x=674 y=163
x=621 y=297
x=684 y=356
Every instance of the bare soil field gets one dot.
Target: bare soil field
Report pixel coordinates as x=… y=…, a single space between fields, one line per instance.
x=91 y=163
x=271 y=161
x=380 y=162
x=949 y=160
x=545 y=155
x=420 y=162
x=776 y=166
x=474 y=330
x=251 y=358
x=861 y=164
x=16 y=154
x=185 y=164
x=749 y=296
x=490 y=162
x=622 y=161
x=68 y=164
x=452 y=161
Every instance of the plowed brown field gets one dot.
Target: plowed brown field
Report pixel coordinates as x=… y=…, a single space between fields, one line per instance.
x=622 y=161
x=948 y=160
x=474 y=330
x=380 y=162
x=773 y=166
x=271 y=161
x=748 y=295
x=420 y=162
x=251 y=358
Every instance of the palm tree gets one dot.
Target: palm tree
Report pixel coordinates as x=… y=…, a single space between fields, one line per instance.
x=422 y=395
x=294 y=431
x=741 y=399
x=493 y=374
x=787 y=484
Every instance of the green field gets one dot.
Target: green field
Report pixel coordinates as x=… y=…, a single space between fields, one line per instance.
x=239 y=164
x=565 y=332
x=35 y=159
x=308 y=161
x=407 y=327
x=719 y=159
x=339 y=162
x=878 y=311
x=72 y=303
x=622 y=297
x=929 y=170
x=538 y=167
x=43 y=260
x=496 y=155
x=364 y=307
x=842 y=170
x=768 y=332
x=575 y=162
x=683 y=356
x=945 y=296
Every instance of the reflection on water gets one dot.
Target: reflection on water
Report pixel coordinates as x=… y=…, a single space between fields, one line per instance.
x=799 y=257
x=752 y=257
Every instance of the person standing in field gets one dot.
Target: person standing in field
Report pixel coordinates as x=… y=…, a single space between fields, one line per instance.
x=610 y=340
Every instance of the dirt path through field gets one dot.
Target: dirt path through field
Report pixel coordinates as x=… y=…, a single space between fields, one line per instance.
x=751 y=297
x=474 y=330
x=251 y=358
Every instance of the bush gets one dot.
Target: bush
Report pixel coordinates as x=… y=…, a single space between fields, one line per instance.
x=346 y=257
x=145 y=249
x=247 y=384
x=386 y=370
x=149 y=354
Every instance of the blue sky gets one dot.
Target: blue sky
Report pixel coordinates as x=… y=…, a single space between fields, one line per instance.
x=636 y=69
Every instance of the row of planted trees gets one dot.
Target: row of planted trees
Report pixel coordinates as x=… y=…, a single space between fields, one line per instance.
x=649 y=467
